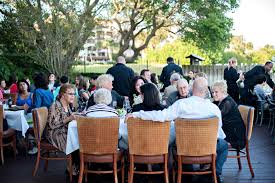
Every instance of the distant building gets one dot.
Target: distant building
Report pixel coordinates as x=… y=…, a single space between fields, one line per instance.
x=96 y=48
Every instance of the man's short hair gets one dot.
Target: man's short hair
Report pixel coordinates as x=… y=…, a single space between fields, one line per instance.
x=268 y=62
x=120 y=59
x=142 y=72
x=170 y=59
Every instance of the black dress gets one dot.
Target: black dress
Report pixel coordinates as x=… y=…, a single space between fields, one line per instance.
x=231 y=76
x=141 y=106
x=232 y=123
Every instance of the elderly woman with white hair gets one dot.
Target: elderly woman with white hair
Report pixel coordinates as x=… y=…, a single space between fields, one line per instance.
x=102 y=98
x=101 y=109
x=106 y=81
x=232 y=123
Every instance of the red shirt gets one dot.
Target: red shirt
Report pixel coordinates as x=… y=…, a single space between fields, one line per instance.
x=13 y=88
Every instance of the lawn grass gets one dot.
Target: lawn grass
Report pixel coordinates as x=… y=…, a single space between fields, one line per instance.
x=102 y=68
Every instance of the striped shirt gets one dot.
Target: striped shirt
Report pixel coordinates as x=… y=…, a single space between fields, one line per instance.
x=101 y=110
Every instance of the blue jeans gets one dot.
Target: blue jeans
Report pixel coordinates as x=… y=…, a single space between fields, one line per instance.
x=222 y=151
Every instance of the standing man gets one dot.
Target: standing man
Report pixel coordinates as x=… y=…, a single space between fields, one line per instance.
x=168 y=70
x=123 y=77
x=231 y=76
x=250 y=81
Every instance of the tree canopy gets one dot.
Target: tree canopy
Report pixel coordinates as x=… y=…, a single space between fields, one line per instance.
x=52 y=32
x=55 y=29
x=204 y=22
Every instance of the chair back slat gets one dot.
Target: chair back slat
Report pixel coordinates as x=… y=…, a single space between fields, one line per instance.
x=247 y=113
x=98 y=135
x=196 y=137
x=40 y=116
x=1 y=119
x=147 y=137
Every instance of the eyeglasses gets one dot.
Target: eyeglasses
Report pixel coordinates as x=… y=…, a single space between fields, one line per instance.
x=72 y=94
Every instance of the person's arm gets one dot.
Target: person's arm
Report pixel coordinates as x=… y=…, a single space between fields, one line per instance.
x=269 y=81
x=251 y=73
x=85 y=95
x=168 y=114
x=235 y=76
x=162 y=76
x=170 y=99
x=181 y=71
x=56 y=119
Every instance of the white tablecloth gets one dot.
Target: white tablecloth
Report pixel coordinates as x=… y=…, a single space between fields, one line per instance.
x=72 y=136
x=18 y=120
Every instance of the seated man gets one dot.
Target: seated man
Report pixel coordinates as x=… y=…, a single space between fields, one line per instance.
x=106 y=81
x=193 y=107
x=182 y=92
x=173 y=87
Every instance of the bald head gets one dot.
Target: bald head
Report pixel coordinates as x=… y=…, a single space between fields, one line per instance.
x=200 y=87
x=121 y=60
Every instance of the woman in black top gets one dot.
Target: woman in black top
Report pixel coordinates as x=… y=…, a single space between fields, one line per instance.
x=151 y=100
x=231 y=76
x=232 y=122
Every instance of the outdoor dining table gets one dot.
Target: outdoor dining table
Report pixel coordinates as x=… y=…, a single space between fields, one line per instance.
x=18 y=120
x=72 y=136
x=73 y=143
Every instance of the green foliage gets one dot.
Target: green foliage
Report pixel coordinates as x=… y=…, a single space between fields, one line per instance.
x=178 y=50
x=208 y=25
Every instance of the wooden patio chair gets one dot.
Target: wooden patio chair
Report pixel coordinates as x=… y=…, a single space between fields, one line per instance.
x=45 y=149
x=7 y=138
x=148 y=144
x=196 y=141
x=98 y=143
x=247 y=113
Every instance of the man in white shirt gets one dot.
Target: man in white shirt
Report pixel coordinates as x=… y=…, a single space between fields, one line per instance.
x=193 y=107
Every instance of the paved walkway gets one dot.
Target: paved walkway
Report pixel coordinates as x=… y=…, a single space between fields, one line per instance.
x=262 y=156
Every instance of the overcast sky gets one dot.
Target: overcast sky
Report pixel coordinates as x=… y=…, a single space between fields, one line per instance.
x=255 y=20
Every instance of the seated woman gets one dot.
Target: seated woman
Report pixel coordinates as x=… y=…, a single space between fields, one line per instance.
x=59 y=117
x=135 y=95
x=83 y=93
x=260 y=82
x=151 y=100
x=42 y=97
x=102 y=99
x=232 y=122
x=101 y=109
x=24 y=97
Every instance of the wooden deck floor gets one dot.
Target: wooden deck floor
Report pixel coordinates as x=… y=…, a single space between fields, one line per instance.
x=262 y=156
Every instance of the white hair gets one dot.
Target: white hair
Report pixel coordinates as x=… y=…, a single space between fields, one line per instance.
x=182 y=81
x=102 y=96
x=103 y=79
x=221 y=85
x=175 y=77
